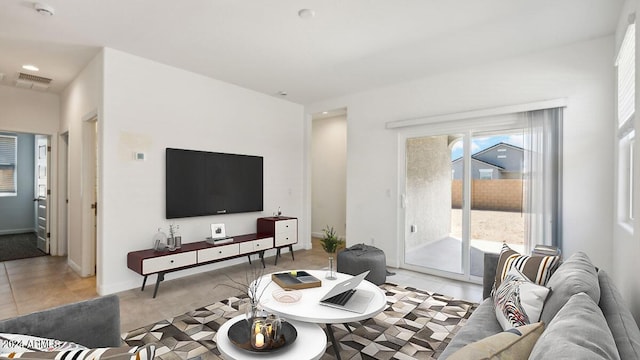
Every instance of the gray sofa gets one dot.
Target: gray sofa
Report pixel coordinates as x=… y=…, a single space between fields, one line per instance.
x=92 y=323
x=574 y=276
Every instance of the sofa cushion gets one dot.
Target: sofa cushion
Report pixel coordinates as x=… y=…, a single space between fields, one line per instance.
x=515 y=343
x=621 y=323
x=518 y=301
x=579 y=331
x=93 y=323
x=146 y=352
x=577 y=274
x=481 y=324
x=538 y=269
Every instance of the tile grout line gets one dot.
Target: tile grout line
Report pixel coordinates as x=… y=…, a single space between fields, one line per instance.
x=13 y=293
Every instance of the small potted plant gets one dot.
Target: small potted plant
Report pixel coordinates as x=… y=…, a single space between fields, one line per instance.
x=330 y=243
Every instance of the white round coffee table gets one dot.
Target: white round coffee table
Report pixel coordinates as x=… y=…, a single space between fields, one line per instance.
x=308 y=309
x=310 y=343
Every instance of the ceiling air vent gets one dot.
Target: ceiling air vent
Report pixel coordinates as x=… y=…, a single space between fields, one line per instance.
x=34 y=78
x=29 y=81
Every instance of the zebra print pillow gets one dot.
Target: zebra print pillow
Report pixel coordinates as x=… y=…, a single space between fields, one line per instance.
x=518 y=301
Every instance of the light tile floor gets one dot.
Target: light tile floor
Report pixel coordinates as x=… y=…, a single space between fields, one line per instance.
x=29 y=285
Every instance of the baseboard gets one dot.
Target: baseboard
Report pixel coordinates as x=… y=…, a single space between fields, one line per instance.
x=74 y=266
x=16 y=231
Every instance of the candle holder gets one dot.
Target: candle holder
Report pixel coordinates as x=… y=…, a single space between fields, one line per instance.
x=260 y=336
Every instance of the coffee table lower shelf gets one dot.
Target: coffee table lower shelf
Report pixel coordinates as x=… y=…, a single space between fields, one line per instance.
x=310 y=343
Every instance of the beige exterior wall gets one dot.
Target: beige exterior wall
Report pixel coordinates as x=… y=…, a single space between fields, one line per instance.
x=428 y=184
x=497 y=195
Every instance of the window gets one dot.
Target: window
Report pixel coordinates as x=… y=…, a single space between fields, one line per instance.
x=486 y=174
x=8 y=157
x=626 y=68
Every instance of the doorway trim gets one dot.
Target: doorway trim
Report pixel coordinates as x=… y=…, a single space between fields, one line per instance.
x=89 y=193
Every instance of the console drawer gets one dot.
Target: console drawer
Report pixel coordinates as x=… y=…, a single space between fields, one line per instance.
x=168 y=262
x=256 y=245
x=218 y=252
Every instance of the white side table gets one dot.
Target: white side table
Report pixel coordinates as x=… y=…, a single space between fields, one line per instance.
x=310 y=343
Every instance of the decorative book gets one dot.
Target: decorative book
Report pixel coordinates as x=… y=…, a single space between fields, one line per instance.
x=294 y=280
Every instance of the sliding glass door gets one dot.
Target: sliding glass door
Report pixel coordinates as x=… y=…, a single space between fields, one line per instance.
x=466 y=192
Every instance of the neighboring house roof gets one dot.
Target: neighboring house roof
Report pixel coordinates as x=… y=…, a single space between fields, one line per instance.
x=474 y=156
x=495 y=146
x=480 y=161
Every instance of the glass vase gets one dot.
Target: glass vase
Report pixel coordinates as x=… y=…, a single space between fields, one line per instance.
x=331 y=274
x=252 y=311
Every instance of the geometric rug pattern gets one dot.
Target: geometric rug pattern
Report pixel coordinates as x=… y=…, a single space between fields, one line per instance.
x=416 y=324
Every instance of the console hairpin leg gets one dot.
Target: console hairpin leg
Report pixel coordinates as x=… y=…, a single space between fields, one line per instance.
x=144 y=282
x=291 y=251
x=160 y=278
x=262 y=259
x=277 y=256
x=332 y=338
x=249 y=257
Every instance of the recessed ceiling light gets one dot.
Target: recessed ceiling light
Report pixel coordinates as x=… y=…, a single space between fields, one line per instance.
x=282 y=93
x=325 y=112
x=44 y=9
x=30 y=67
x=306 y=14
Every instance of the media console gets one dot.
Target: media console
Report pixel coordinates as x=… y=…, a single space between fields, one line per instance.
x=282 y=232
x=149 y=262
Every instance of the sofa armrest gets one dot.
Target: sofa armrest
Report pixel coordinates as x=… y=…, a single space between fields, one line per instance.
x=92 y=323
x=489 y=275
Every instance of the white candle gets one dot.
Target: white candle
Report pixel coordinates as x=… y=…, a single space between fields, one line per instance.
x=259 y=340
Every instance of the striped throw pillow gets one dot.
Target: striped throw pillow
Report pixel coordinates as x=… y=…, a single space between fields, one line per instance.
x=538 y=269
x=146 y=352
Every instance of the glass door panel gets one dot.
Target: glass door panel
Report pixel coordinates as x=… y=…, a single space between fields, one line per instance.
x=433 y=198
x=496 y=213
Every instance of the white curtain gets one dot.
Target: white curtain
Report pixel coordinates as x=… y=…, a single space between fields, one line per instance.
x=541 y=177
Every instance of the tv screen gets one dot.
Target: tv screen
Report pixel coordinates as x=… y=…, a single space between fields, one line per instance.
x=200 y=183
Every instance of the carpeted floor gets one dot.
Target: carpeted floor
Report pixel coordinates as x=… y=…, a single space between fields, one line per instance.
x=416 y=324
x=19 y=246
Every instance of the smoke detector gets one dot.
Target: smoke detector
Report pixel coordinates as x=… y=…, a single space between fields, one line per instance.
x=44 y=9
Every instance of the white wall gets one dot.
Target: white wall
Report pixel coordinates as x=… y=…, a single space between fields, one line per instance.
x=35 y=112
x=29 y=111
x=626 y=242
x=581 y=72
x=79 y=100
x=149 y=106
x=329 y=175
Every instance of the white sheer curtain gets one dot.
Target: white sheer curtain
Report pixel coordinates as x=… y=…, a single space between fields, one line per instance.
x=541 y=177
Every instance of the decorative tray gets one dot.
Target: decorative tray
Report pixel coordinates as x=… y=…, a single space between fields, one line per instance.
x=239 y=334
x=294 y=280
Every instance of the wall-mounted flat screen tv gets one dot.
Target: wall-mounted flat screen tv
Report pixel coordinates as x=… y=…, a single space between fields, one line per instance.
x=200 y=183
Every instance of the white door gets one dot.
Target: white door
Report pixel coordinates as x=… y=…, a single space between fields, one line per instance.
x=42 y=191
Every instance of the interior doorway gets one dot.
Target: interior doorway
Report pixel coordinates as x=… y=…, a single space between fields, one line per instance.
x=328 y=172
x=24 y=195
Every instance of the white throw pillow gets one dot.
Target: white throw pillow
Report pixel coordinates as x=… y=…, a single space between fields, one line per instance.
x=518 y=301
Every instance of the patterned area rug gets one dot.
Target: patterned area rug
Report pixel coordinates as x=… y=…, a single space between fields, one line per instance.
x=416 y=324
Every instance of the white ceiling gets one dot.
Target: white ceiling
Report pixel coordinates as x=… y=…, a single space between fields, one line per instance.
x=349 y=46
